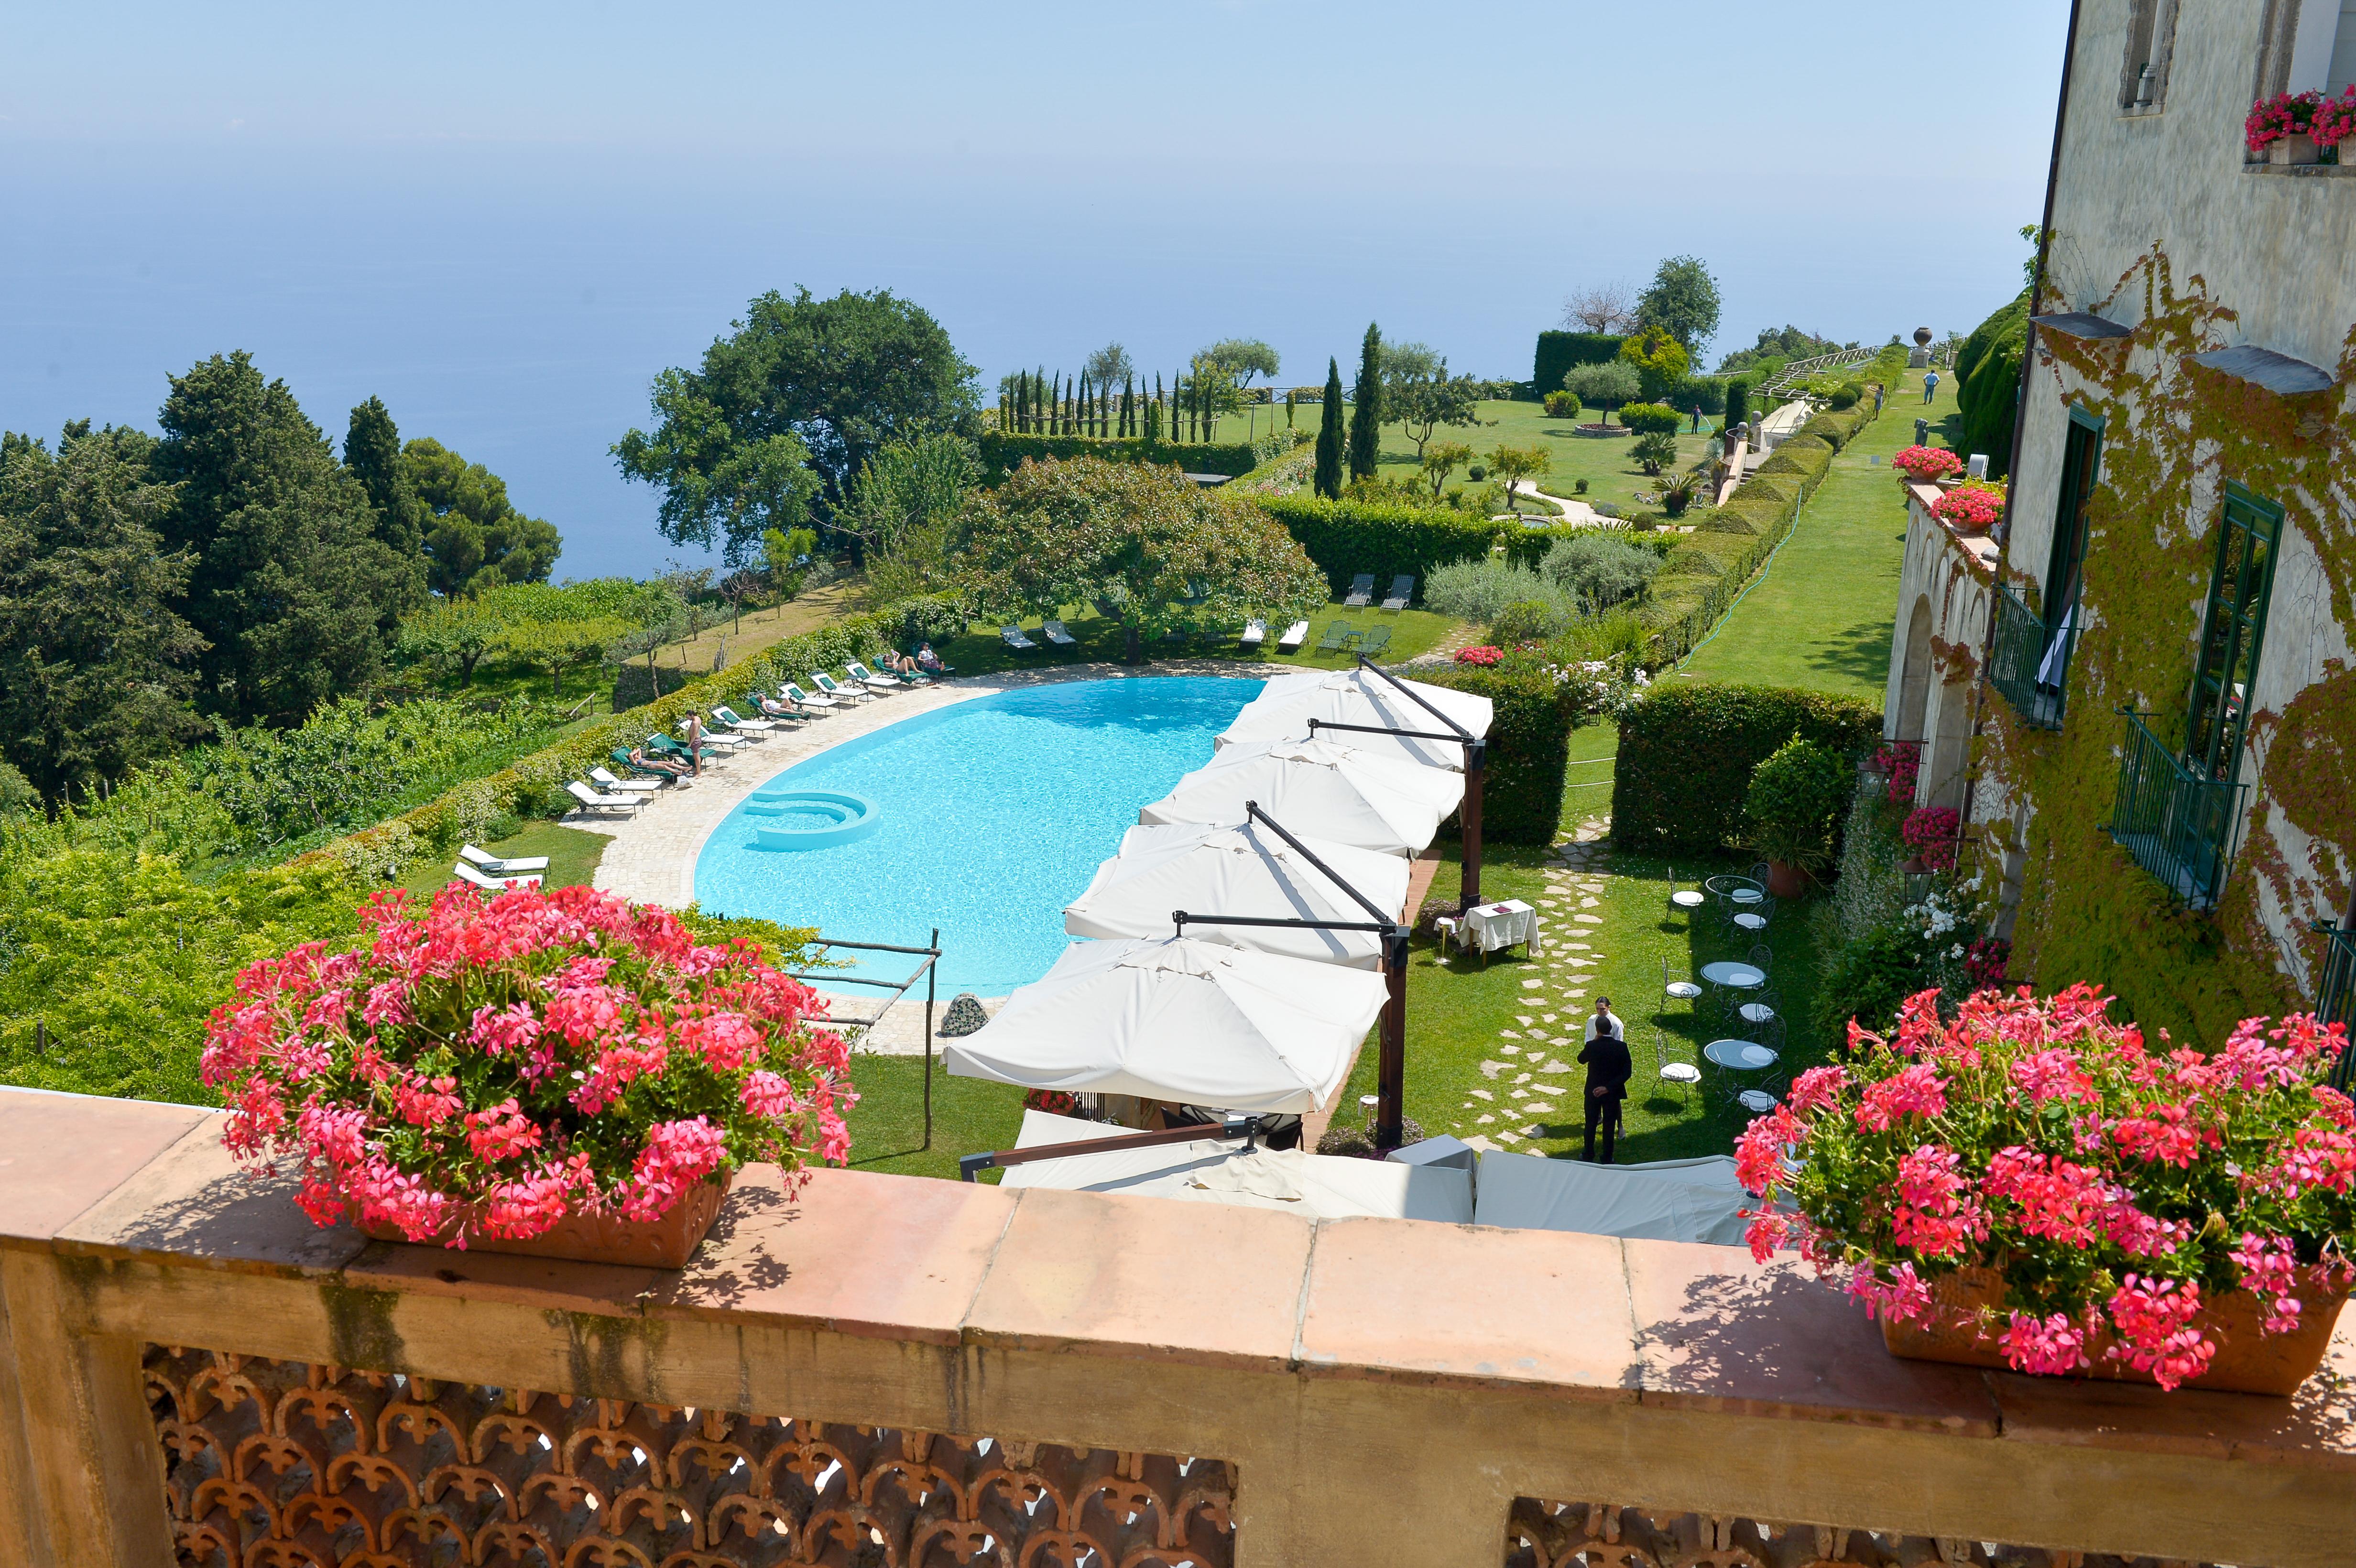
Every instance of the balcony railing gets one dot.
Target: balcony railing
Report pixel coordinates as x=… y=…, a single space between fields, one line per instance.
x=2335 y=998
x=2027 y=665
x=2177 y=824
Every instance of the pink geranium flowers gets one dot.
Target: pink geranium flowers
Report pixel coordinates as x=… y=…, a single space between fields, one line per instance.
x=1925 y=463
x=2102 y=1195
x=487 y=1067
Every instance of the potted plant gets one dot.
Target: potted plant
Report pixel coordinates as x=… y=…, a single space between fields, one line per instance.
x=1930 y=831
x=1794 y=810
x=2335 y=122
x=1973 y=507
x=559 y=1074
x=2034 y=1185
x=2281 y=129
x=1926 y=465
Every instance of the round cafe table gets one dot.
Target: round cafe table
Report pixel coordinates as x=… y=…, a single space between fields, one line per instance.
x=1734 y=977
x=1739 y=1055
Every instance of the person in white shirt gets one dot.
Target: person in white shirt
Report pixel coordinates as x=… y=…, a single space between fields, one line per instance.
x=1608 y=1068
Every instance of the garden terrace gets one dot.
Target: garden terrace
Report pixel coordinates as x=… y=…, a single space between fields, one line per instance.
x=193 y=1362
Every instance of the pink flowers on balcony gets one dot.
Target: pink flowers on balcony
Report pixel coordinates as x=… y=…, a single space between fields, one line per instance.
x=1976 y=505
x=2052 y=1184
x=1926 y=465
x=1930 y=831
x=490 y=1067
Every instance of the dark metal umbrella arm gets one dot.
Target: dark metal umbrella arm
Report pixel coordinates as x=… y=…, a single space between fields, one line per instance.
x=972 y=1166
x=899 y=988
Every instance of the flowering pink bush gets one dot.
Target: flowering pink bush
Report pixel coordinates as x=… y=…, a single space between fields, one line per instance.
x=1930 y=831
x=1902 y=760
x=2111 y=1189
x=2335 y=119
x=1986 y=961
x=1485 y=655
x=1924 y=463
x=1974 y=504
x=489 y=1066
x=2285 y=114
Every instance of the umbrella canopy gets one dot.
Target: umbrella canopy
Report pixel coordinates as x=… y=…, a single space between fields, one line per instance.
x=1339 y=793
x=1668 y=1200
x=1177 y=1019
x=1285 y=706
x=1245 y=870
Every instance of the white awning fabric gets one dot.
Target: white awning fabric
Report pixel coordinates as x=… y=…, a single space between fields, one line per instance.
x=1214 y=1170
x=1334 y=792
x=1664 y=1201
x=1182 y=1019
x=1285 y=706
x=1245 y=870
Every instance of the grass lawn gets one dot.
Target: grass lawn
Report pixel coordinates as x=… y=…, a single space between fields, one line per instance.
x=1821 y=616
x=981 y=651
x=887 y=1125
x=573 y=857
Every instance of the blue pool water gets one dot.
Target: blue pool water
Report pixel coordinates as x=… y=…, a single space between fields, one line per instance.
x=994 y=814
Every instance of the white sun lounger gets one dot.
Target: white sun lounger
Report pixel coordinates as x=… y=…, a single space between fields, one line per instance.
x=466 y=873
x=1255 y=633
x=603 y=779
x=1014 y=637
x=591 y=801
x=802 y=698
x=835 y=689
x=1057 y=635
x=1294 y=635
x=870 y=679
x=484 y=860
x=756 y=727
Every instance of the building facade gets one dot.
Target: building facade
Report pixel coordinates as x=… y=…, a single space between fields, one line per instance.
x=2141 y=684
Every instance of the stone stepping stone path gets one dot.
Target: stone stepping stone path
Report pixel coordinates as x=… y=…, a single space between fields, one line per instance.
x=1544 y=1040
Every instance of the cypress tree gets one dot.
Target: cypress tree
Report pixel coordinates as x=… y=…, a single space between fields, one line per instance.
x=1127 y=411
x=1087 y=409
x=1366 y=418
x=1329 y=435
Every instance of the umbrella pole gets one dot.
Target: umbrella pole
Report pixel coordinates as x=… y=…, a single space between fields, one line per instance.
x=1476 y=769
x=1390 y=1070
x=931 y=968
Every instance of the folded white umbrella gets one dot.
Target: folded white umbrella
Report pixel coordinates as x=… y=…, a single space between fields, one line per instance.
x=1245 y=870
x=1324 y=788
x=1287 y=703
x=1180 y=1020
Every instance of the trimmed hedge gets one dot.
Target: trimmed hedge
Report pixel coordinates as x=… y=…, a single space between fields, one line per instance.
x=1529 y=749
x=1348 y=538
x=1002 y=453
x=1558 y=351
x=1687 y=750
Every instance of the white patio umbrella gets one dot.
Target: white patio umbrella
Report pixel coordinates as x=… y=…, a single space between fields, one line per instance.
x=1334 y=791
x=1285 y=706
x=1196 y=1022
x=1246 y=870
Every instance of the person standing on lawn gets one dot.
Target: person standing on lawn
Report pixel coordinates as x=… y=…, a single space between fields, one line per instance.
x=1608 y=1071
x=1929 y=384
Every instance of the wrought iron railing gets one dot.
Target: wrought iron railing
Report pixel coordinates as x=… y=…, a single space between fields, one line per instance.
x=2030 y=667
x=2335 y=998
x=2177 y=824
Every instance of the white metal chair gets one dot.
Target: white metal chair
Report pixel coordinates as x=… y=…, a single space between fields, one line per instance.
x=1689 y=901
x=1684 y=991
x=1685 y=1075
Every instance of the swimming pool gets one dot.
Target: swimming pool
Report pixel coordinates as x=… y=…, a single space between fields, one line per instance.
x=992 y=815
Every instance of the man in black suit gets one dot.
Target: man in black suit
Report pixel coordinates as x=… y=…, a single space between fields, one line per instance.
x=1608 y=1071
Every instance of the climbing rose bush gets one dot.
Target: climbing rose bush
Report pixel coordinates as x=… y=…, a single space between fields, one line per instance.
x=1924 y=463
x=485 y=1067
x=2115 y=1186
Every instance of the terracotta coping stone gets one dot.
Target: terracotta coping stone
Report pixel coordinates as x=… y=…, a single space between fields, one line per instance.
x=61 y=1153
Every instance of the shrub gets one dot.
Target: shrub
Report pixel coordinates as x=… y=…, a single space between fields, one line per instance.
x=932 y=618
x=1476 y=473
x=1794 y=803
x=1688 y=749
x=1987 y=382
x=1578 y=487
x=1559 y=352
x=1601 y=569
x=1654 y=451
x=1532 y=621
x=1348 y=538
x=1562 y=405
x=1648 y=419
x=1003 y=452
x=1482 y=591
x=1846 y=394
x=1529 y=749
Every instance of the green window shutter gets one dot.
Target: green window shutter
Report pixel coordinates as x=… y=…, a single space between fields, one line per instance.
x=2232 y=633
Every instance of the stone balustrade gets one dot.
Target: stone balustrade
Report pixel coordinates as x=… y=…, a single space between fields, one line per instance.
x=892 y=1370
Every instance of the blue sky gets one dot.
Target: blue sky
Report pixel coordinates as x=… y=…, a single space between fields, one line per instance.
x=505 y=219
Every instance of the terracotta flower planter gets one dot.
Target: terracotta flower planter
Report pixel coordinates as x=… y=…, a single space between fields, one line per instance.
x=667 y=1243
x=2248 y=1361
x=1787 y=881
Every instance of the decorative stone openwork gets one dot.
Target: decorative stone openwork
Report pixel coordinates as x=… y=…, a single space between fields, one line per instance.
x=275 y=1463
x=1606 y=1535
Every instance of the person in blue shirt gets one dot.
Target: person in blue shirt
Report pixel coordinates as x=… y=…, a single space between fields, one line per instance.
x=1929 y=384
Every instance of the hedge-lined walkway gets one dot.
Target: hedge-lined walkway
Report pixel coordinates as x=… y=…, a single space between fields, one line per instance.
x=1822 y=615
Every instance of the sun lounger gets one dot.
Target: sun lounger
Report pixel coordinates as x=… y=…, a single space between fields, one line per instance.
x=1338 y=635
x=1255 y=633
x=613 y=783
x=1058 y=635
x=1362 y=592
x=1374 y=641
x=836 y=689
x=943 y=673
x=1294 y=635
x=800 y=699
x=1402 y=589
x=592 y=800
x=755 y=727
x=466 y=873
x=719 y=740
x=1013 y=638
x=873 y=682
x=484 y=860
x=664 y=746
x=635 y=771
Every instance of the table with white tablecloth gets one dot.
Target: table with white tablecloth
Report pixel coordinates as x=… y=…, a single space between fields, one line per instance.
x=1486 y=928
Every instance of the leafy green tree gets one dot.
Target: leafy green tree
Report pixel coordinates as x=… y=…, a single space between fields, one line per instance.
x=1604 y=386
x=1367 y=413
x=1142 y=539
x=721 y=488
x=1240 y=360
x=1514 y=463
x=1330 y=440
x=1411 y=362
x=1660 y=361
x=903 y=511
x=1211 y=391
x=1423 y=405
x=1683 y=301
x=456 y=633
x=476 y=539
x=555 y=647
x=293 y=593
x=97 y=669
x=1440 y=459
x=785 y=555
x=373 y=452
x=1109 y=364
